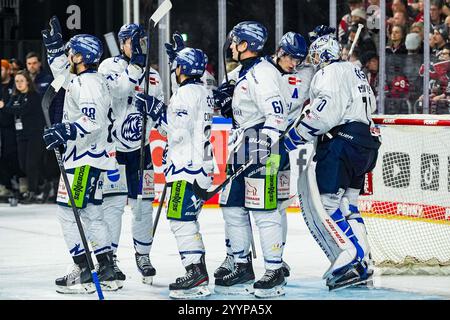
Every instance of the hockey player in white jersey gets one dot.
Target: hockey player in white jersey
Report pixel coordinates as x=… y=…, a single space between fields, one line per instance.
x=88 y=152
x=125 y=74
x=187 y=120
x=291 y=52
x=339 y=120
x=260 y=115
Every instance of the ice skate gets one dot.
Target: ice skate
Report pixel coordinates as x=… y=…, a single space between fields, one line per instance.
x=286 y=269
x=78 y=280
x=225 y=268
x=105 y=271
x=145 y=268
x=351 y=275
x=119 y=274
x=194 y=284
x=270 y=285
x=240 y=281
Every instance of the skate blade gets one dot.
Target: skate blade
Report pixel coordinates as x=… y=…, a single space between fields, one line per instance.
x=347 y=284
x=109 y=285
x=276 y=291
x=238 y=289
x=85 y=288
x=119 y=284
x=147 y=280
x=194 y=293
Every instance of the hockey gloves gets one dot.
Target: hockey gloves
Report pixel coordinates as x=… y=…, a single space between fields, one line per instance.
x=53 y=38
x=150 y=106
x=263 y=146
x=293 y=139
x=58 y=134
x=223 y=99
x=138 y=57
x=173 y=48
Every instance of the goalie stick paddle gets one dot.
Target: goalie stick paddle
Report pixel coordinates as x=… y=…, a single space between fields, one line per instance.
x=162 y=10
x=51 y=92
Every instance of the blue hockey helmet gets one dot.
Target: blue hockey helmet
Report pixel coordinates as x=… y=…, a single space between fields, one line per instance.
x=320 y=31
x=192 y=61
x=252 y=32
x=127 y=30
x=90 y=47
x=294 y=45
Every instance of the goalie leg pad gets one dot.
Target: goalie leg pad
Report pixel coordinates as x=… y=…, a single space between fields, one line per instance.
x=324 y=230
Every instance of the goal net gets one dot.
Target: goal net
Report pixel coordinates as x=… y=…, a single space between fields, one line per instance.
x=406 y=204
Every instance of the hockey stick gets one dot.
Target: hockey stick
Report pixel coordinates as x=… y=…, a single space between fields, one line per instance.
x=51 y=92
x=225 y=47
x=158 y=213
x=205 y=195
x=355 y=40
x=162 y=10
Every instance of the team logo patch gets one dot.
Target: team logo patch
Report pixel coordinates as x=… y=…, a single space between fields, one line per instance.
x=131 y=127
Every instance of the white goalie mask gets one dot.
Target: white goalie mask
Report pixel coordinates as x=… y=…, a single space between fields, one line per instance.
x=324 y=50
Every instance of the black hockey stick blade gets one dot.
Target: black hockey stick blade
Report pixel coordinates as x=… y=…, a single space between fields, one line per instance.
x=205 y=195
x=51 y=92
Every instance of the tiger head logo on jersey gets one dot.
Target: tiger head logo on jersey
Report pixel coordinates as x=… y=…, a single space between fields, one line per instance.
x=131 y=127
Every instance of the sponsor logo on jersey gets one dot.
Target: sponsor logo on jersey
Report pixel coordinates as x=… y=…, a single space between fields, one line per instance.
x=131 y=127
x=153 y=81
x=113 y=175
x=294 y=81
x=250 y=190
x=181 y=112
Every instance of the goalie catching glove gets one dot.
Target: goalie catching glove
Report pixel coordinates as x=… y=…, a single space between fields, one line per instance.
x=59 y=134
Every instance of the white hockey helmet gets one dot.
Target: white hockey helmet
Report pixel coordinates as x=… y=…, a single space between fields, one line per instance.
x=324 y=50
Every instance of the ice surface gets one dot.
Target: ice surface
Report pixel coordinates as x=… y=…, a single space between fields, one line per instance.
x=33 y=254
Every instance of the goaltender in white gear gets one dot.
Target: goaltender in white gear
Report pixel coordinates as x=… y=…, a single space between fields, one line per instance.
x=339 y=121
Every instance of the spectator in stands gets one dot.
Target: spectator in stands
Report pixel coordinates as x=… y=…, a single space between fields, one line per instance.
x=16 y=66
x=8 y=146
x=396 y=44
x=358 y=15
x=417 y=27
x=346 y=20
x=399 y=6
x=40 y=78
x=418 y=11
x=438 y=41
x=370 y=64
x=414 y=42
x=25 y=105
x=412 y=62
x=436 y=16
